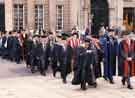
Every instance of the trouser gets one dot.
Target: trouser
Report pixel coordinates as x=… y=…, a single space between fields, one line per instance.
x=18 y=56
x=36 y=62
x=58 y=66
x=127 y=78
x=28 y=59
x=108 y=71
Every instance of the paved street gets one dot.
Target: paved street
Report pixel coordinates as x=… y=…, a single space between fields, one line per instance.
x=17 y=82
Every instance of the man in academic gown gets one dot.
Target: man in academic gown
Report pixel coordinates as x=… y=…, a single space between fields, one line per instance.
x=85 y=66
x=4 y=44
x=37 y=54
x=50 y=40
x=58 y=56
x=127 y=53
x=10 y=46
x=110 y=54
x=28 y=42
x=16 y=48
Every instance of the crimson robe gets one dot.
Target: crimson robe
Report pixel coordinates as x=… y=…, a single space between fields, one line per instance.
x=124 y=53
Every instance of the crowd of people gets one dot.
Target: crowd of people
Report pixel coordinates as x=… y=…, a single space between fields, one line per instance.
x=81 y=54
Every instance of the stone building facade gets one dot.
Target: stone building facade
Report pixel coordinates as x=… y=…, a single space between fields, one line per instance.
x=53 y=15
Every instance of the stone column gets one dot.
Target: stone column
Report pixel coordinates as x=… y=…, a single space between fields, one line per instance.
x=8 y=15
x=75 y=4
x=115 y=13
x=67 y=9
x=120 y=6
x=52 y=14
x=46 y=15
x=31 y=14
x=86 y=13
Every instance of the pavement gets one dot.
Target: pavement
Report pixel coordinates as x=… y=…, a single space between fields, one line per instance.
x=16 y=81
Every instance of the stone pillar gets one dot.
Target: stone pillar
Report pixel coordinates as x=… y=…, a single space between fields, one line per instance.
x=86 y=13
x=67 y=9
x=75 y=4
x=46 y=15
x=52 y=14
x=8 y=15
x=31 y=15
x=115 y=13
x=120 y=4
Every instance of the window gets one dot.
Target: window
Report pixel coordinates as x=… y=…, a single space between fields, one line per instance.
x=129 y=19
x=18 y=17
x=59 y=17
x=39 y=17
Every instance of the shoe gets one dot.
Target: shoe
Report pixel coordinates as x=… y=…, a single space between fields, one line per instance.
x=54 y=73
x=111 y=82
x=75 y=82
x=44 y=73
x=33 y=70
x=130 y=87
x=123 y=81
x=105 y=78
x=95 y=85
x=83 y=87
x=64 y=81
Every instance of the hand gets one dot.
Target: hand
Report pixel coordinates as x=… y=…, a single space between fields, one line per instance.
x=129 y=59
x=89 y=51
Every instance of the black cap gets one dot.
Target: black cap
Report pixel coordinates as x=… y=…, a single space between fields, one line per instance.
x=110 y=30
x=59 y=35
x=87 y=40
x=125 y=33
x=65 y=35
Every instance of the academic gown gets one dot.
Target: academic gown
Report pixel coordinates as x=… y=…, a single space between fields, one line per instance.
x=110 y=52
x=127 y=51
x=58 y=58
x=83 y=71
x=10 y=46
x=16 y=49
x=28 y=50
x=68 y=58
x=4 y=49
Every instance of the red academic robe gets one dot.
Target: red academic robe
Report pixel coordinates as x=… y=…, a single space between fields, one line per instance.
x=125 y=48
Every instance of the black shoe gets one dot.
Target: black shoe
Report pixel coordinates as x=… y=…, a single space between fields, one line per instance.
x=64 y=81
x=130 y=87
x=54 y=73
x=95 y=85
x=83 y=87
x=111 y=82
x=123 y=81
x=33 y=70
x=44 y=73
x=105 y=78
